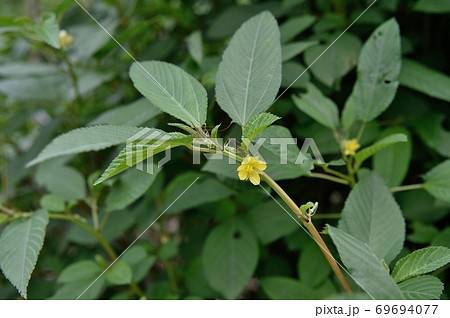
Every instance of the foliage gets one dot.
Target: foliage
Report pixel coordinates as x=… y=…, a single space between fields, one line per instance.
x=133 y=148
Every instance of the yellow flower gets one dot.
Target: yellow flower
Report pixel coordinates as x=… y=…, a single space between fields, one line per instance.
x=65 y=39
x=350 y=147
x=250 y=168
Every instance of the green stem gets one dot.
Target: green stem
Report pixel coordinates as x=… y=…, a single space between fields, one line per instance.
x=74 y=79
x=407 y=187
x=108 y=249
x=336 y=173
x=328 y=177
x=171 y=274
x=311 y=228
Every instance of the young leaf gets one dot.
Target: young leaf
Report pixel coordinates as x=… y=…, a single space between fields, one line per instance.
x=20 y=244
x=85 y=139
x=437 y=181
x=249 y=75
x=422 y=288
x=425 y=80
x=367 y=152
x=392 y=163
x=172 y=90
x=365 y=267
x=378 y=70
x=372 y=216
x=285 y=288
x=142 y=148
x=230 y=256
x=48 y=30
x=119 y=274
x=430 y=130
x=319 y=107
x=421 y=262
x=257 y=124
x=129 y=187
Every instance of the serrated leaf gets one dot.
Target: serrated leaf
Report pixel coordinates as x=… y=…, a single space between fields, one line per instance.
x=291 y=50
x=129 y=187
x=368 y=152
x=249 y=75
x=48 y=30
x=378 y=70
x=141 y=148
x=422 y=288
x=285 y=288
x=425 y=80
x=20 y=244
x=133 y=114
x=335 y=61
x=230 y=256
x=364 y=266
x=437 y=181
x=172 y=90
x=432 y=133
x=85 y=139
x=392 y=163
x=421 y=262
x=372 y=216
x=270 y=222
x=257 y=124
x=317 y=106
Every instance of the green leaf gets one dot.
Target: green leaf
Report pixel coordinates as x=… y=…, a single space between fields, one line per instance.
x=437 y=181
x=249 y=75
x=317 y=106
x=76 y=278
x=270 y=222
x=336 y=60
x=20 y=244
x=48 y=30
x=443 y=238
x=139 y=261
x=52 y=202
x=290 y=50
x=134 y=114
x=422 y=233
x=285 y=288
x=372 y=216
x=432 y=133
x=392 y=163
x=201 y=192
x=312 y=266
x=85 y=139
x=365 y=267
x=230 y=256
x=172 y=90
x=65 y=182
x=425 y=80
x=378 y=70
x=421 y=262
x=294 y=26
x=257 y=124
x=149 y=143
x=368 y=152
x=432 y=6
x=195 y=46
x=119 y=274
x=291 y=72
x=422 y=288
x=129 y=187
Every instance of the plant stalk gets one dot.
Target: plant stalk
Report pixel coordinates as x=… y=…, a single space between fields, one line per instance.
x=407 y=187
x=328 y=177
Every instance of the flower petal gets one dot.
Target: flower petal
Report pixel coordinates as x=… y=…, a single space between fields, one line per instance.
x=242 y=167
x=260 y=165
x=254 y=177
x=243 y=175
